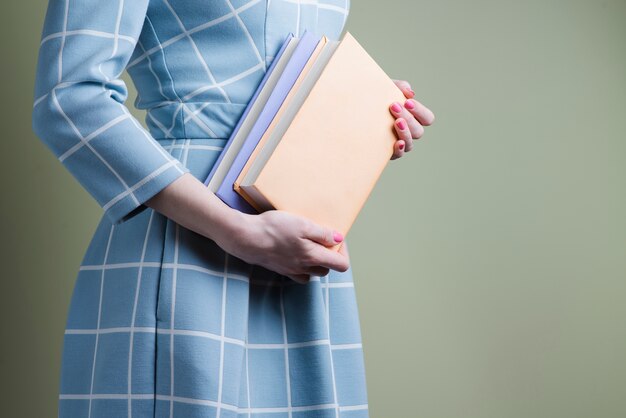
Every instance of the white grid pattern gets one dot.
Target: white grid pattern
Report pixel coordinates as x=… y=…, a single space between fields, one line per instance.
x=79 y=113
x=228 y=407
x=172 y=324
x=95 y=351
x=189 y=32
x=211 y=336
x=286 y=349
x=330 y=346
x=188 y=148
x=197 y=51
x=88 y=32
x=134 y=315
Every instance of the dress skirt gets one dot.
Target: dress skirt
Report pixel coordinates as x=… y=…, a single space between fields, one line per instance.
x=164 y=323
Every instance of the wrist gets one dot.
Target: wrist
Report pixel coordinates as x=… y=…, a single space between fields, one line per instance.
x=191 y=204
x=227 y=225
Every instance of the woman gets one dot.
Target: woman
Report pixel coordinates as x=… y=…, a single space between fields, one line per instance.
x=184 y=307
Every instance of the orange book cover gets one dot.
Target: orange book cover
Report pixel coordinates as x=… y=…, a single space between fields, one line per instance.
x=267 y=133
x=338 y=144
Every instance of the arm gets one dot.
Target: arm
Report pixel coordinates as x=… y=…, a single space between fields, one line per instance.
x=79 y=111
x=280 y=241
x=188 y=202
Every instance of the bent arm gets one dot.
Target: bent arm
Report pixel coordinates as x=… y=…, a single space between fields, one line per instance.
x=188 y=202
x=79 y=111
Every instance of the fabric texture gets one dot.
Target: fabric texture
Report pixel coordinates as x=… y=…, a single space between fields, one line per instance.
x=162 y=321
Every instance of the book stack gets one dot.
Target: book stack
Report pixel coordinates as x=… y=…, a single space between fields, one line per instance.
x=315 y=137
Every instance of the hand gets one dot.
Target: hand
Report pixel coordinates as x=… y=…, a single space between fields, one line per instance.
x=279 y=241
x=288 y=244
x=411 y=117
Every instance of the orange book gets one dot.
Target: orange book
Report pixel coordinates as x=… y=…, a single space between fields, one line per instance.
x=325 y=155
x=282 y=108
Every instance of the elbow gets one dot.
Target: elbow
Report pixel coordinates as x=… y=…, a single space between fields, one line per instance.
x=36 y=122
x=45 y=123
x=42 y=105
x=72 y=112
x=40 y=124
x=41 y=112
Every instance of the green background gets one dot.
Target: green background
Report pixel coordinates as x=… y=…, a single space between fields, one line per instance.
x=489 y=262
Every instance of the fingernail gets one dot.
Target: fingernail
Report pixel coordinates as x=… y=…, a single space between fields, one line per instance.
x=401 y=125
x=409 y=104
x=401 y=146
x=412 y=92
x=396 y=108
x=338 y=237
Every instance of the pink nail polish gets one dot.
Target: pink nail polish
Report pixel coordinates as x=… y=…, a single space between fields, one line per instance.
x=409 y=104
x=338 y=237
x=396 y=108
x=401 y=146
x=401 y=124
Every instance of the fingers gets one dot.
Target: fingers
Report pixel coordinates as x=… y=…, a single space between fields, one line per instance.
x=322 y=235
x=304 y=278
x=405 y=87
x=300 y=278
x=411 y=117
x=343 y=249
x=416 y=129
x=404 y=142
x=319 y=254
x=421 y=113
x=318 y=271
x=322 y=256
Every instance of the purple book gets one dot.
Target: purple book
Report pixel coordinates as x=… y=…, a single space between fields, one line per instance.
x=294 y=67
x=247 y=109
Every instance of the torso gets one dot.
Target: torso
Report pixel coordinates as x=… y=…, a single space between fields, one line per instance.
x=198 y=62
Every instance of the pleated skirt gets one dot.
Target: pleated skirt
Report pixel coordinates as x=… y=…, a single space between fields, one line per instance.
x=164 y=323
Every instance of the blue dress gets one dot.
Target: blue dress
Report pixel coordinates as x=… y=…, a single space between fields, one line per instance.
x=162 y=321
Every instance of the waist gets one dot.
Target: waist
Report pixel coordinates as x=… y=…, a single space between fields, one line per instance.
x=197 y=154
x=193 y=119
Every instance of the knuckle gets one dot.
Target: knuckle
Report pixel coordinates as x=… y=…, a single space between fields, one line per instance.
x=306 y=228
x=294 y=277
x=427 y=115
x=287 y=270
x=345 y=265
x=307 y=258
x=419 y=130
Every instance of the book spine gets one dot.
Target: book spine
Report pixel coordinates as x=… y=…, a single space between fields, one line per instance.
x=247 y=110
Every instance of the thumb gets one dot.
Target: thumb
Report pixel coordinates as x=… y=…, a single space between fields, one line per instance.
x=324 y=235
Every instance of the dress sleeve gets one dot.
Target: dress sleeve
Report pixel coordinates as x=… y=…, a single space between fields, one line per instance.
x=79 y=110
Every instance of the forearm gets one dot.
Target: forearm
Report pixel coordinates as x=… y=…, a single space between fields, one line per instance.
x=188 y=202
x=277 y=240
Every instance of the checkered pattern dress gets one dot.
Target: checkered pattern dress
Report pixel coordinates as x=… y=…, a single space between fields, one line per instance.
x=162 y=321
